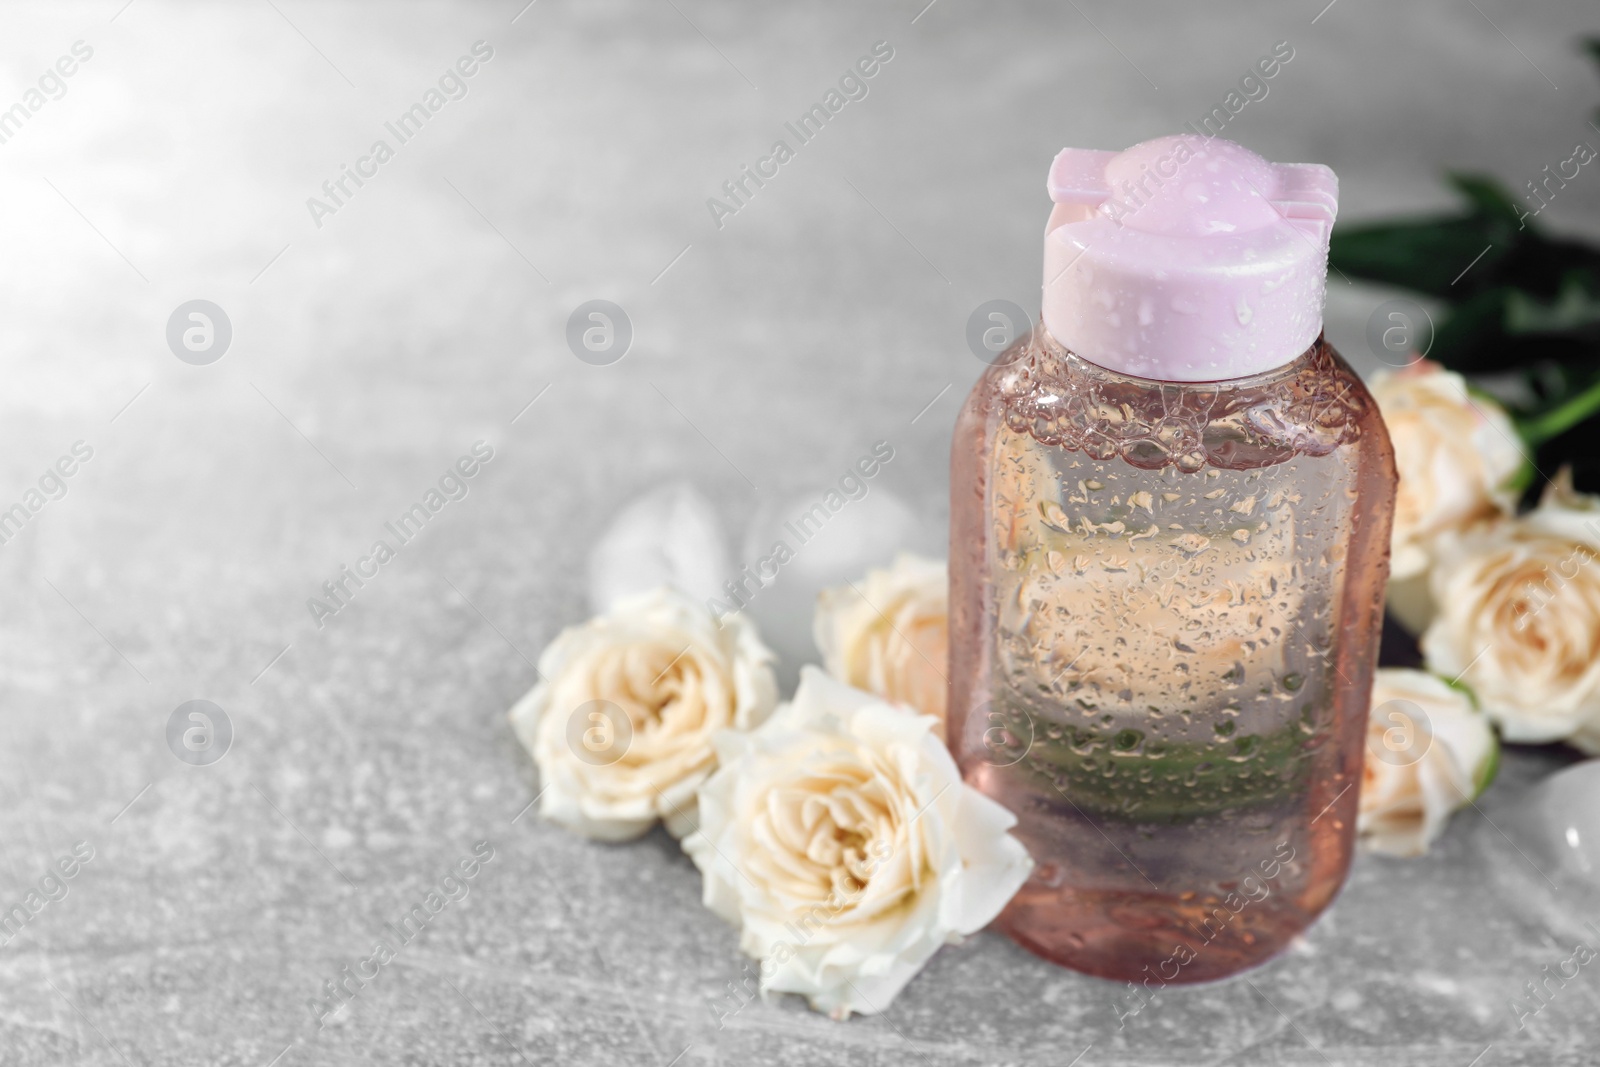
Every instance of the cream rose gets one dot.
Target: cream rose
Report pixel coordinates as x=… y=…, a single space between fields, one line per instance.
x=1455 y=454
x=1519 y=616
x=621 y=723
x=890 y=634
x=842 y=841
x=1429 y=752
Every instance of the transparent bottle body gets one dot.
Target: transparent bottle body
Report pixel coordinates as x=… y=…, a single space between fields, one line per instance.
x=1166 y=600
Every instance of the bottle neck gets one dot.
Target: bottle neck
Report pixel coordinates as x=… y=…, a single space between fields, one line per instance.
x=1057 y=360
x=1308 y=406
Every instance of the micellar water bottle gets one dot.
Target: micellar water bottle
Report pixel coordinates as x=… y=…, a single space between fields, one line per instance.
x=1169 y=542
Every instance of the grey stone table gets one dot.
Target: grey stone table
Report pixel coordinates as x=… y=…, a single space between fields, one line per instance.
x=376 y=338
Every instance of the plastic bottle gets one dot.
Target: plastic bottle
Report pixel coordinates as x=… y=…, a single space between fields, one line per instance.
x=1169 y=542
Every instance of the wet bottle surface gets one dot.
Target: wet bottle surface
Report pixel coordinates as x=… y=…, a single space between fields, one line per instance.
x=1165 y=605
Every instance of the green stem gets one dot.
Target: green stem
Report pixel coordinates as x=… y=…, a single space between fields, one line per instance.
x=1563 y=417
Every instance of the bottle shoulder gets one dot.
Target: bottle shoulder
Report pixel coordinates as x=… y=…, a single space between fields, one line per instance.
x=1313 y=406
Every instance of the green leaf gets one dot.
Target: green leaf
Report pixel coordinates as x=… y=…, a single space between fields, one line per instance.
x=1541 y=265
x=1489 y=198
x=1503 y=329
x=1425 y=255
x=1449 y=256
x=1592 y=46
x=1471 y=335
x=1575 y=309
x=1456 y=257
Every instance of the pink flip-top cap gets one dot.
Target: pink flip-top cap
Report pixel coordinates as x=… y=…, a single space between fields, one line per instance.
x=1186 y=258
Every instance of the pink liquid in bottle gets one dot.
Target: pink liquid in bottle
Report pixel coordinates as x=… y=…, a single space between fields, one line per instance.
x=1169 y=543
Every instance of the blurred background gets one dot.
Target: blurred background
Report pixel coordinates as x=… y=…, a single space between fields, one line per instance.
x=372 y=341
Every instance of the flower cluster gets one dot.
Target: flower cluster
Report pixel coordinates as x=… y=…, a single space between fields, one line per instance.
x=833 y=830
x=1507 y=605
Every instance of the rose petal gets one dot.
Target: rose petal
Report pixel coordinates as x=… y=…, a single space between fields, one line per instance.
x=670 y=537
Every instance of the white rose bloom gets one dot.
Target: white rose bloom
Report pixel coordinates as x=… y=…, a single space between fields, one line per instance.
x=1455 y=454
x=890 y=633
x=621 y=722
x=842 y=841
x=1519 y=617
x=1429 y=752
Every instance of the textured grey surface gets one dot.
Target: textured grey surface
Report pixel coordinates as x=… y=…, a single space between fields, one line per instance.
x=371 y=754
